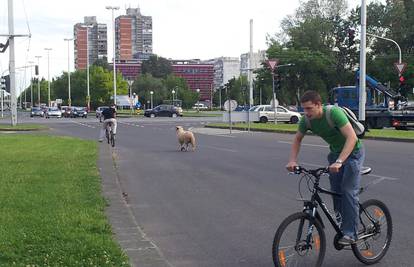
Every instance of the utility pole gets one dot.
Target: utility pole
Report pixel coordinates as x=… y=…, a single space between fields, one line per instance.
x=362 y=62
x=112 y=8
x=12 y=71
x=69 y=96
x=38 y=81
x=12 y=67
x=250 y=71
x=48 y=77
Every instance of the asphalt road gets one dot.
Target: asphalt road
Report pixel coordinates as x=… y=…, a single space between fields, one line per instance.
x=221 y=205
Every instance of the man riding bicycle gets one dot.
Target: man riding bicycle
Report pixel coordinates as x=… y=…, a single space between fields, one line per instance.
x=345 y=158
x=109 y=115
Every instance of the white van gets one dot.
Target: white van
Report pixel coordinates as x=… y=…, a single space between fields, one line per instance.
x=199 y=106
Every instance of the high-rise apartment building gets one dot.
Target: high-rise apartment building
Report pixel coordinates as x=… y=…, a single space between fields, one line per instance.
x=225 y=69
x=90 y=37
x=133 y=39
x=257 y=59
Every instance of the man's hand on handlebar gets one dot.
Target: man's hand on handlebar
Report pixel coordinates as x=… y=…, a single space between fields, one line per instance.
x=291 y=166
x=334 y=168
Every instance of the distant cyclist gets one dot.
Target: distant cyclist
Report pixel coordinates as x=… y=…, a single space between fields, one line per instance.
x=109 y=115
x=345 y=158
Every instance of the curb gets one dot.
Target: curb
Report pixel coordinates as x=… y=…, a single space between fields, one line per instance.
x=140 y=250
x=391 y=139
x=22 y=130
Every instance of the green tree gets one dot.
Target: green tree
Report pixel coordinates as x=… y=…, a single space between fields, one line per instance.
x=158 y=67
x=146 y=83
x=102 y=62
x=100 y=86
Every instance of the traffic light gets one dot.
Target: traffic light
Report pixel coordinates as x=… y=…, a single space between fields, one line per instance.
x=277 y=83
x=36 y=69
x=402 y=88
x=402 y=80
x=2 y=83
x=351 y=37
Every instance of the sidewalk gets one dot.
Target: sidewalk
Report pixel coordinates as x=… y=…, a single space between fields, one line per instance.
x=141 y=250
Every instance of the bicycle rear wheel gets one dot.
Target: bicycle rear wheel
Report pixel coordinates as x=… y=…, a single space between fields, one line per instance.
x=112 y=139
x=107 y=135
x=299 y=241
x=374 y=232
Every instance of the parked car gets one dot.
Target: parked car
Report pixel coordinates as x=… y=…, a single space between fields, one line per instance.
x=242 y=108
x=267 y=113
x=79 y=112
x=36 y=111
x=164 y=111
x=53 y=112
x=199 y=106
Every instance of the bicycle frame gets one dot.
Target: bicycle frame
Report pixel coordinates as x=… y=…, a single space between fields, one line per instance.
x=311 y=206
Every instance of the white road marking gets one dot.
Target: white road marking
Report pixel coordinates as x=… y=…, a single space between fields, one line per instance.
x=303 y=144
x=380 y=177
x=220 y=148
x=130 y=124
x=83 y=124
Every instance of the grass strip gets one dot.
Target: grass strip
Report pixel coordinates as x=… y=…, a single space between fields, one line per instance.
x=52 y=211
x=200 y=114
x=291 y=128
x=22 y=127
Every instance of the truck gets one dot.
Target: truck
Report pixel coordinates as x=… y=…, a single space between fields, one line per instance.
x=384 y=106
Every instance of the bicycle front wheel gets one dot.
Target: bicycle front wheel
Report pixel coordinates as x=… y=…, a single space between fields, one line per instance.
x=374 y=232
x=299 y=241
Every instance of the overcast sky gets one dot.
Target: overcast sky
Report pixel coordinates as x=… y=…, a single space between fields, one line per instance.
x=182 y=29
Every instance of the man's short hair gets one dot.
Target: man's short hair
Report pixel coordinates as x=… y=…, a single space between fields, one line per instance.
x=311 y=96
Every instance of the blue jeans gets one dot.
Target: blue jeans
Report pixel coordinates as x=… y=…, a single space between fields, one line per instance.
x=346 y=182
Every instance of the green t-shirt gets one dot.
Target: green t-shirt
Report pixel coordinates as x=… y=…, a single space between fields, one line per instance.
x=332 y=136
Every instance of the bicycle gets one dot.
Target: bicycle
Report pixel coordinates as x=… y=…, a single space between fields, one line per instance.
x=110 y=137
x=302 y=234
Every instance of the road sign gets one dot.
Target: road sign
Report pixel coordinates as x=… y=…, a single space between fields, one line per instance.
x=272 y=63
x=400 y=67
x=276 y=103
x=233 y=105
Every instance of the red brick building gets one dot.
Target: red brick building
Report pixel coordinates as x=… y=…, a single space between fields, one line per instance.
x=198 y=75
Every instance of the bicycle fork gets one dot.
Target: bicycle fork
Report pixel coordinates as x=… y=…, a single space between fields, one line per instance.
x=304 y=245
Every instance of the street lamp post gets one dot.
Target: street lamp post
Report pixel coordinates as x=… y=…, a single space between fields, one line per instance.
x=198 y=99
x=69 y=97
x=151 y=93
x=31 y=82
x=173 y=92
x=38 y=80
x=112 y=8
x=88 y=95
x=131 y=98
x=48 y=77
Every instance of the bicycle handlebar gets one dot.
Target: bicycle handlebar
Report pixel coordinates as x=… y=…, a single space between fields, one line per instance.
x=315 y=172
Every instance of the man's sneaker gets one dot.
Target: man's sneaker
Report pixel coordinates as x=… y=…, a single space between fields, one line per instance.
x=346 y=240
x=100 y=140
